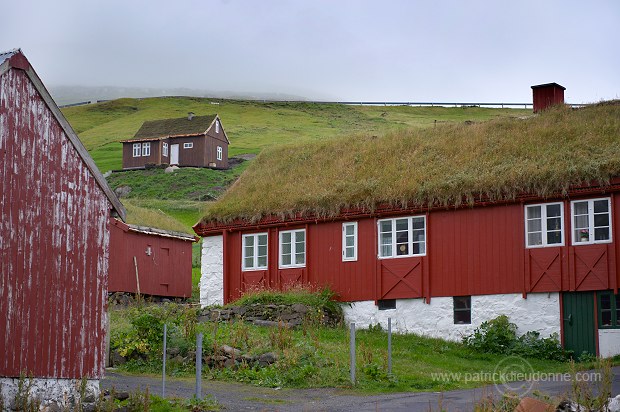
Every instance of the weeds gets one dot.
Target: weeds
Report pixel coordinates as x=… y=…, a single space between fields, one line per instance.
x=593 y=392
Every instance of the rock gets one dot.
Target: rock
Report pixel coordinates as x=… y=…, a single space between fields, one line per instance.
x=239 y=310
x=89 y=397
x=229 y=363
x=122 y=191
x=300 y=308
x=170 y=169
x=89 y=407
x=614 y=404
x=267 y=359
x=121 y=396
x=51 y=407
x=272 y=323
x=533 y=405
x=249 y=359
x=116 y=358
x=172 y=352
x=230 y=351
x=178 y=359
x=203 y=318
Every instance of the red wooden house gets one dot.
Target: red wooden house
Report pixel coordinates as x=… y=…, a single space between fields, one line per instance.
x=438 y=229
x=197 y=141
x=150 y=261
x=55 y=211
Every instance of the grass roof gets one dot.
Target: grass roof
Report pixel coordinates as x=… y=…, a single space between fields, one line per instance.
x=174 y=127
x=447 y=165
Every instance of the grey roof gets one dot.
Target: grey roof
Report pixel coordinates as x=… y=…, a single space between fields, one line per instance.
x=8 y=54
x=162 y=233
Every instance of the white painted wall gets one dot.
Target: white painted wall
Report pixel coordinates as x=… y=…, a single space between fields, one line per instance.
x=609 y=342
x=212 y=271
x=539 y=312
x=65 y=392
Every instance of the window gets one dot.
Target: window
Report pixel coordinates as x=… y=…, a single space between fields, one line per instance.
x=349 y=241
x=164 y=149
x=146 y=149
x=544 y=225
x=137 y=149
x=219 y=153
x=217 y=126
x=385 y=304
x=591 y=221
x=188 y=145
x=293 y=248
x=462 y=310
x=608 y=310
x=254 y=251
x=402 y=237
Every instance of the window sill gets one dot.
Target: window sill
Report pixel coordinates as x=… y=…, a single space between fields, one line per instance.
x=399 y=257
x=253 y=269
x=545 y=246
x=292 y=267
x=596 y=242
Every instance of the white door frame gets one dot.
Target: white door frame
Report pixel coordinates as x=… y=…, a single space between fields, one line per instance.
x=174 y=154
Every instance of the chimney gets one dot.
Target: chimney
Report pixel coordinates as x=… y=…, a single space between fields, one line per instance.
x=547 y=95
x=190 y=115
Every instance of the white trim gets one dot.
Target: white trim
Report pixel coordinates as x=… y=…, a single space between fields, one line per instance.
x=146 y=149
x=543 y=229
x=255 y=244
x=293 y=234
x=188 y=145
x=591 y=228
x=137 y=149
x=344 y=241
x=164 y=149
x=219 y=152
x=217 y=126
x=410 y=241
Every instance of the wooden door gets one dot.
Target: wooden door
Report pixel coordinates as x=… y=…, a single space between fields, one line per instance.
x=578 y=317
x=174 y=154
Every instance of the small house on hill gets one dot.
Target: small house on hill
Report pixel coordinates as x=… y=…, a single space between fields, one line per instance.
x=55 y=212
x=196 y=141
x=440 y=229
x=150 y=261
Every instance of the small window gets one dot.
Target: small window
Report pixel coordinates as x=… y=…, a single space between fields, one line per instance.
x=146 y=149
x=293 y=248
x=188 y=145
x=254 y=254
x=217 y=126
x=462 y=310
x=608 y=310
x=164 y=149
x=137 y=149
x=544 y=225
x=219 y=152
x=386 y=304
x=349 y=241
x=591 y=221
x=402 y=237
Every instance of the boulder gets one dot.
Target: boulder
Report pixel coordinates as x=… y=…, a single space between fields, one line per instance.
x=230 y=351
x=267 y=358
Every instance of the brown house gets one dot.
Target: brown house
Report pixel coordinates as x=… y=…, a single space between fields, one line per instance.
x=196 y=141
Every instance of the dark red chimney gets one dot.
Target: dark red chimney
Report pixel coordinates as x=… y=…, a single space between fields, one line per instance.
x=547 y=95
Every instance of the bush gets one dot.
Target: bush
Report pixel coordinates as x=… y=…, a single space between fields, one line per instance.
x=499 y=336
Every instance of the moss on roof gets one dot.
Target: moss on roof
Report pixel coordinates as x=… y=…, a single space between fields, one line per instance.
x=174 y=127
x=451 y=164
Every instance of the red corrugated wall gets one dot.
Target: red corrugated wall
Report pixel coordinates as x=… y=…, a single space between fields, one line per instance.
x=166 y=272
x=54 y=239
x=545 y=97
x=470 y=251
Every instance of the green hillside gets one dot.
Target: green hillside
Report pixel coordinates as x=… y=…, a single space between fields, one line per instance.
x=250 y=126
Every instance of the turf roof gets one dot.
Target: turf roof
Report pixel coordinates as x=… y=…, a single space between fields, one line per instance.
x=448 y=165
x=174 y=127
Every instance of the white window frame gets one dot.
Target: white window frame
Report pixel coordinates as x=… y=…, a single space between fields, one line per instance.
x=346 y=258
x=544 y=230
x=164 y=149
x=219 y=152
x=293 y=244
x=591 y=227
x=188 y=145
x=217 y=126
x=255 y=256
x=137 y=149
x=410 y=241
x=146 y=149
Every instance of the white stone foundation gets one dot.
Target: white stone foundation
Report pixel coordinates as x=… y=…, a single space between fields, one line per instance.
x=608 y=342
x=64 y=392
x=539 y=312
x=212 y=271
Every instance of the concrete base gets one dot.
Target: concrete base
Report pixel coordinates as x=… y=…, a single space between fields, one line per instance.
x=64 y=392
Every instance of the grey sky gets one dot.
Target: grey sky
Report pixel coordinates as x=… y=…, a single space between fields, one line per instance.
x=348 y=50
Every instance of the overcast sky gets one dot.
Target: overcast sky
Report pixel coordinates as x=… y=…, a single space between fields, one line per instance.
x=388 y=50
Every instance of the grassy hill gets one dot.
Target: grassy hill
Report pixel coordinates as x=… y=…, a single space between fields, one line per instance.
x=250 y=125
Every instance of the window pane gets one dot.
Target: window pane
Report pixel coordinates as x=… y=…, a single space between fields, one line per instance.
x=601 y=206
x=386 y=226
x=534 y=225
x=462 y=317
x=286 y=260
x=533 y=212
x=418 y=222
x=606 y=318
x=286 y=237
x=349 y=230
x=554 y=223
x=262 y=239
x=300 y=236
x=349 y=253
x=249 y=262
x=581 y=222
x=349 y=241
x=553 y=210
x=402 y=249
x=418 y=235
x=262 y=261
x=249 y=251
x=386 y=250
x=554 y=238
x=580 y=208
x=402 y=224
x=601 y=233
x=300 y=258
x=286 y=248
x=262 y=251
x=601 y=220
x=605 y=302
x=249 y=240
x=534 y=239
x=462 y=302
x=299 y=247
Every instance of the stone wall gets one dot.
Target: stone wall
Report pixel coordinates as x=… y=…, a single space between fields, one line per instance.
x=63 y=393
x=212 y=271
x=539 y=312
x=270 y=315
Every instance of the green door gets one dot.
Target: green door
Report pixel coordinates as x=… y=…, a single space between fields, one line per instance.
x=578 y=308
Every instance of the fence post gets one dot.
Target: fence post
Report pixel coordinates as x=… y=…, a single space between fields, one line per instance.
x=199 y=366
x=389 y=346
x=163 y=373
x=352 y=350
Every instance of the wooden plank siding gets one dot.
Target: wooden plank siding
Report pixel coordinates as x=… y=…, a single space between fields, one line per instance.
x=53 y=244
x=469 y=251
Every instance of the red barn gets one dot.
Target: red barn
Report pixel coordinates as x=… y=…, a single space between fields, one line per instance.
x=547 y=95
x=150 y=261
x=55 y=210
x=439 y=229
